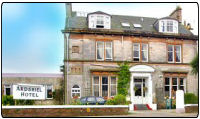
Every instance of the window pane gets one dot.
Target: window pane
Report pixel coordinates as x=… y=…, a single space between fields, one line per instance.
x=96 y=90
x=96 y=80
x=113 y=80
x=7 y=91
x=108 y=53
x=144 y=46
x=166 y=90
x=170 y=48
x=49 y=93
x=136 y=53
x=104 y=80
x=174 y=81
x=181 y=81
x=100 y=50
x=182 y=88
x=104 y=90
x=170 y=56
x=144 y=55
x=166 y=81
x=178 y=52
x=113 y=90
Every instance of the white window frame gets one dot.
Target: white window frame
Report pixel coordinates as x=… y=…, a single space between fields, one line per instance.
x=77 y=89
x=172 y=53
x=95 y=85
x=110 y=49
x=179 y=52
x=165 y=23
x=168 y=85
x=7 y=86
x=147 y=50
x=50 y=85
x=136 y=50
x=125 y=24
x=97 y=50
x=184 y=83
x=113 y=85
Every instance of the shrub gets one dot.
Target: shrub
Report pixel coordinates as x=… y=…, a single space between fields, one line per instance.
x=8 y=100
x=117 y=100
x=190 y=98
x=58 y=94
x=76 y=102
x=25 y=102
x=110 y=102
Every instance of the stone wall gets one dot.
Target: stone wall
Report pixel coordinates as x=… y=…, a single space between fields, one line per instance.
x=192 y=109
x=64 y=112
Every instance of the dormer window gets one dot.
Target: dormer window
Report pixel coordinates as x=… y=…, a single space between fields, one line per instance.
x=99 y=20
x=168 y=26
x=137 y=25
x=125 y=24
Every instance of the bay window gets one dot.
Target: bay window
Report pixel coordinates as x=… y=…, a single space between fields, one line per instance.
x=104 y=51
x=174 y=53
x=140 y=52
x=104 y=86
x=172 y=84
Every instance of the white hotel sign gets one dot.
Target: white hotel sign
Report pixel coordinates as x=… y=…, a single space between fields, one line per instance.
x=29 y=92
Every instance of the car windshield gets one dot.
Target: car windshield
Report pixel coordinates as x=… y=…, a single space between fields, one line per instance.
x=100 y=99
x=83 y=99
x=91 y=99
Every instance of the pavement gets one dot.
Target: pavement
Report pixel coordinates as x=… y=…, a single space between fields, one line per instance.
x=156 y=113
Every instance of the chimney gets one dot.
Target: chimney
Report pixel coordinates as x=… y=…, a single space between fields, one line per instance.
x=177 y=14
x=68 y=9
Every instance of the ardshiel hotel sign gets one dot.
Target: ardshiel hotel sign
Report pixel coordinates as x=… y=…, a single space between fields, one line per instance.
x=29 y=92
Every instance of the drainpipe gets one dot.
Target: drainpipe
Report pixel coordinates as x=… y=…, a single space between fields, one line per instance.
x=66 y=37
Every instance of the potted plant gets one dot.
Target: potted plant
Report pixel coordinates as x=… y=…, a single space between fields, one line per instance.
x=135 y=88
x=144 y=89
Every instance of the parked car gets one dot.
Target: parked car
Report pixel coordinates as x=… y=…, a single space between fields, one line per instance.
x=92 y=100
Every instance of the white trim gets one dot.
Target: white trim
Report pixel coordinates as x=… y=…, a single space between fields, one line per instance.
x=65 y=106
x=141 y=68
x=191 y=105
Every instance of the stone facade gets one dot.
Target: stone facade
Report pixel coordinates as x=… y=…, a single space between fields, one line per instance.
x=122 y=51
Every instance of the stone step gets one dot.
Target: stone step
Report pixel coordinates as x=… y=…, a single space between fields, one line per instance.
x=141 y=107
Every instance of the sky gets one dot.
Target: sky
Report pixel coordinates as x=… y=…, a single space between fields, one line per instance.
x=32 y=41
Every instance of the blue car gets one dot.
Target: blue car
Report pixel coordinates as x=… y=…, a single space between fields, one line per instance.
x=92 y=100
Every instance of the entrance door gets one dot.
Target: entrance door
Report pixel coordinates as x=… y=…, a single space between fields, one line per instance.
x=138 y=98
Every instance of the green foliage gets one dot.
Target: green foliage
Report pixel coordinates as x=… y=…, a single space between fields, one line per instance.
x=123 y=79
x=117 y=100
x=58 y=94
x=195 y=64
x=76 y=102
x=25 y=102
x=190 y=98
x=8 y=100
x=173 y=103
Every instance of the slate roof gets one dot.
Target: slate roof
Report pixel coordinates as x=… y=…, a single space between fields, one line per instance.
x=80 y=23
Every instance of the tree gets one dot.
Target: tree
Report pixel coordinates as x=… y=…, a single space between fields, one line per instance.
x=195 y=64
x=123 y=78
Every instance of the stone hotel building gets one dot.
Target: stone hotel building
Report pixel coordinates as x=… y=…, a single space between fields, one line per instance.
x=158 y=50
